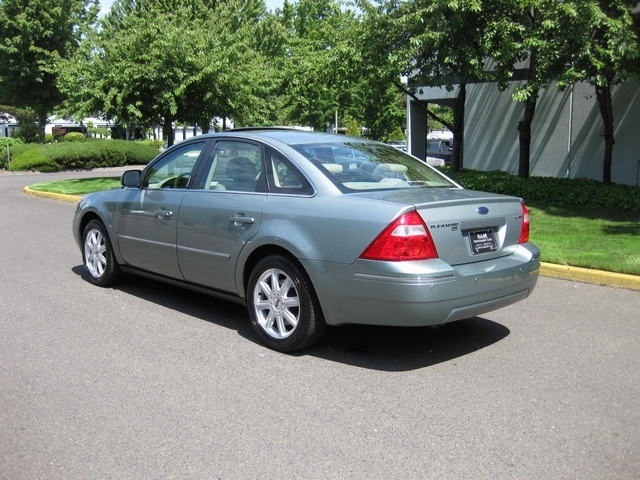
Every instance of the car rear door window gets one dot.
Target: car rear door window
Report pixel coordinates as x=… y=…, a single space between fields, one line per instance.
x=284 y=177
x=234 y=166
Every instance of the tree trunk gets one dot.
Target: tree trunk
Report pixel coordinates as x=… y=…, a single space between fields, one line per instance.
x=524 y=134
x=524 y=126
x=458 y=128
x=167 y=130
x=42 y=123
x=603 y=95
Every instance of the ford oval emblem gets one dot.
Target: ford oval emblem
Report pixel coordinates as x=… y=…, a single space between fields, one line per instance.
x=483 y=210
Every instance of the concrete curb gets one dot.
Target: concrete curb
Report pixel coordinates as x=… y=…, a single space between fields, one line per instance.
x=566 y=272
x=587 y=275
x=54 y=196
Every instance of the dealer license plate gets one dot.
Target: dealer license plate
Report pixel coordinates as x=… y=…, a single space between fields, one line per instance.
x=482 y=241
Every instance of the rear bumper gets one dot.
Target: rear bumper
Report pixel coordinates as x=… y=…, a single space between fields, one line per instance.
x=422 y=293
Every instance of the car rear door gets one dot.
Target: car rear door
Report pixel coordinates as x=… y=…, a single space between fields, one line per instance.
x=221 y=215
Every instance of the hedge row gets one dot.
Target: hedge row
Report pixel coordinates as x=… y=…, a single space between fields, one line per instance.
x=115 y=153
x=579 y=192
x=78 y=156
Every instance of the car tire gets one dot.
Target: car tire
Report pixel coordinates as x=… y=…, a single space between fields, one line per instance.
x=97 y=255
x=283 y=307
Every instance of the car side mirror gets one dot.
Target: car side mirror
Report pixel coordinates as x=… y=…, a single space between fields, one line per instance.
x=131 y=178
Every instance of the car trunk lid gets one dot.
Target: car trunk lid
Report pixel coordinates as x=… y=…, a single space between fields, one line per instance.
x=466 y=226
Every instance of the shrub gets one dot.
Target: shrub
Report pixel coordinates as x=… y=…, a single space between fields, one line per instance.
x=33 y=159
x=48 y=138
x=27 y=132
x=152 y=143
x=397 y=135
x=11 y=141
x=15 y=144
x=580 y=192
x=85 y=155
x=74 y=137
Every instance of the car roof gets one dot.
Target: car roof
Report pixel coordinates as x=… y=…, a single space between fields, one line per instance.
x=288 y=135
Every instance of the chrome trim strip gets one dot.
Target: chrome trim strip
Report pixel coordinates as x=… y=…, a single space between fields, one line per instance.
x=418 y=280
x=204 y=252
x=142 y=240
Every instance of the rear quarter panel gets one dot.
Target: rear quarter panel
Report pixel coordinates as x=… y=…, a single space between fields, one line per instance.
x=331 y=229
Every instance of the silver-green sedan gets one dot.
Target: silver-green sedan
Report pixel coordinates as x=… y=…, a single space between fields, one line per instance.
x=308 y=230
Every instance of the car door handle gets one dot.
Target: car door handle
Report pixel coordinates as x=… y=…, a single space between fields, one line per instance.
x=240 y=219
x=163 y=214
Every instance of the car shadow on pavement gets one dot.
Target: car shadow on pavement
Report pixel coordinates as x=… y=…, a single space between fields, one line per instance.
x=402 y=349
x=365 y=346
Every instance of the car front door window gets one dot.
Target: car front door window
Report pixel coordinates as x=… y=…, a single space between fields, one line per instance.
x=175 y=169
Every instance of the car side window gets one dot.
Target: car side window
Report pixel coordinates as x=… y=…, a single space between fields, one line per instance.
x=174 y=170
x=234 y=166
x=283 y=177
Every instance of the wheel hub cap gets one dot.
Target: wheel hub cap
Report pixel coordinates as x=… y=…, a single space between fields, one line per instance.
x=276 y=304
x=95 y=253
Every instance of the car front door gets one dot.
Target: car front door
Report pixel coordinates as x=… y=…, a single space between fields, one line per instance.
x=148 y=216
x=217 y=219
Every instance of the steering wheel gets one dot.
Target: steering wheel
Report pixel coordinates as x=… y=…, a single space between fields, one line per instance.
x=179 y=181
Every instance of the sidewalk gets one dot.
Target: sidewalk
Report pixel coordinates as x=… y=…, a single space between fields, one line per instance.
x=577 y=274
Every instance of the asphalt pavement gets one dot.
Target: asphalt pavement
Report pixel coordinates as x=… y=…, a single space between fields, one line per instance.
x=154 y=382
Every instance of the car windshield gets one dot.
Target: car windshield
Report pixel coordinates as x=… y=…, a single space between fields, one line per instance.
x=370 y=166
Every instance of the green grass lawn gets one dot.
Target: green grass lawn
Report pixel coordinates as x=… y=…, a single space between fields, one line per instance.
x=590 y=238
x=79 y=186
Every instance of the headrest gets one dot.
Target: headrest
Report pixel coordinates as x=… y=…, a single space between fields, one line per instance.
x=241 y=168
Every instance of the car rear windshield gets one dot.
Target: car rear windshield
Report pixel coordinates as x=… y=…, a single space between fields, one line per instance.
x=355 y=166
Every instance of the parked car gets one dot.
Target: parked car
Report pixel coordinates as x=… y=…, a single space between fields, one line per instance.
x=399 y=144
x=440 y=145
x=276 y=220
x=435 y=161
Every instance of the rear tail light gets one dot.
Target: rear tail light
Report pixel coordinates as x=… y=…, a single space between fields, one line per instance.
x=406 y=238
x=524 y=231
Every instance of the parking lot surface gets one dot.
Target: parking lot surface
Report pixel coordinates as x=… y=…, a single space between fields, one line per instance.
x=150 y=381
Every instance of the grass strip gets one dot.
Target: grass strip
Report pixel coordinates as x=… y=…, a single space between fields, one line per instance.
x=79 y=186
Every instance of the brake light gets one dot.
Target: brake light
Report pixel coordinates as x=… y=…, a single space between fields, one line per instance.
x=406 y=238
x=524 y=231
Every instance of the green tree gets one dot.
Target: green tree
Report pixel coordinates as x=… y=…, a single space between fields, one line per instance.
x=263 y=100
x=36 y=35
x=322 y=71
x=539 y=36
x=159 y=61
x=314 y=88
x=607 y=55
x=28 y=131
x=230 y=73
x=432 y=42
x=384 y=109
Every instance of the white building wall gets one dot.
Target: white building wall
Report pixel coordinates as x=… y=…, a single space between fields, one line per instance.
x=567 y=139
